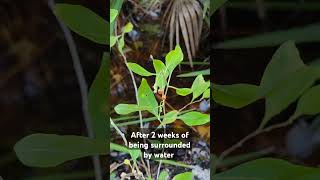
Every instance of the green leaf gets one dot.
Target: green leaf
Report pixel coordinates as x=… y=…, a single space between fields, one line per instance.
x=49 y=150
x=113 y=15
x=163 y=175
x=136 y=68
x=284 y=80
x=206 y=94
x=267 y=169
x=135 y=154
x=130 y=108
x=184 y=176
x=121 y=44
x=216 y=4
x=309 y=103
x=147 y=98
x=194 y=118
x=174 y=58
x=283 y=64
x=84 y=22
x=199 y=86
x=310 y=33
x=170 y=117
x=161 y=74
x=98 y=100
x=117 y=147
x=288 y=93
x=113 y=40
x=128 y=28
x=235 y=95
x=195 y=73
x=78 y=175
x=183 y=91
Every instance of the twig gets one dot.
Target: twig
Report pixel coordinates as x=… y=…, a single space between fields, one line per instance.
x=119 y=132
x=137 y=99
x=252 y=135
x=83 y=86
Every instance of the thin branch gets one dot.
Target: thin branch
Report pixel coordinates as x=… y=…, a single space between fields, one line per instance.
x=252 y=135
x=119 y=132
x=82 y=84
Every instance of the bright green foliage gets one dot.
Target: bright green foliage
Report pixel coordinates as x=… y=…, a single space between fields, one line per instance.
x=97 y=100
x=128 y=28
x=184 y=176
x=170 y=117
x=163 y=175
x=267 y=169
x=206 y=94
x=183 y=91
x=121 y=44
x=162 y=74
x=194 y=118
x=136 y=68
x=174 y=58
x=124 y=109
x=135 y=154
x=113 y=40
x=48 y=150
x=113 y=15
x=147 y=98
x=309 y=103
x=84 y=22
x=199 y=86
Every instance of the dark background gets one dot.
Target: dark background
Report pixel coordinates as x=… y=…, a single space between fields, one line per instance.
x=38 y=87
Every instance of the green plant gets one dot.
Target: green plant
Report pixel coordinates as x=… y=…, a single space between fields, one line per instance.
x=48 y=150
x=146 y=101
x=286 y=79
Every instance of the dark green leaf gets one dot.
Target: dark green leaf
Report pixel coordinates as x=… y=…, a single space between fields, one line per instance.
x=98 y=100
x=269 y=169
x=48 y=150
x=216 y=4
x=84 y=22
x=309 y=103
x=235 y=95
x=310 y=33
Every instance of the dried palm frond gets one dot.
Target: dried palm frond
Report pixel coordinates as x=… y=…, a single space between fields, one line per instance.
x=185 y=17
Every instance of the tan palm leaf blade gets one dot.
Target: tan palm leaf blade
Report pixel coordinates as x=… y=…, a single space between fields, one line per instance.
x=184 y=17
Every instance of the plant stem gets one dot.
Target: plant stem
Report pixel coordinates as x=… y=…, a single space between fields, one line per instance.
x=83 y=86
x=137 y=99
x=119 y=132
x=252 y=135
